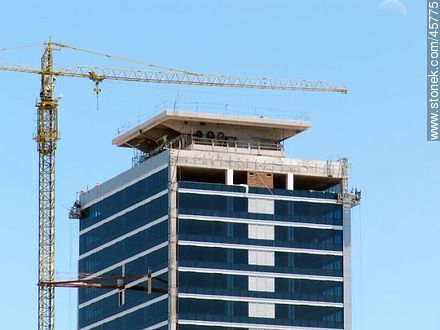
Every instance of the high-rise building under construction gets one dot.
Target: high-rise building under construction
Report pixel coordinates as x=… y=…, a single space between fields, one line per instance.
x=214 y=228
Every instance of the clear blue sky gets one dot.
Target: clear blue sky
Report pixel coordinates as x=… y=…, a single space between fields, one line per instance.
x=378 y=52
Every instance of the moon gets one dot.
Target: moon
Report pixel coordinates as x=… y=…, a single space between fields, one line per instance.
x=393 y=6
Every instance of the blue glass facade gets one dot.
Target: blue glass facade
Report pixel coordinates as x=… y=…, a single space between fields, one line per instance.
x=243 y=266
x=237 y=207
x=239 y=266
x=125 y=234
x=237 y=285
x=238 y=312
x=221 y=232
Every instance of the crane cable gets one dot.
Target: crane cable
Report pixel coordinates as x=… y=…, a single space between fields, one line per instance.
x=120 y=58
x=19 y=47
x=92 y=52
x=361 y=270
x=126 y=59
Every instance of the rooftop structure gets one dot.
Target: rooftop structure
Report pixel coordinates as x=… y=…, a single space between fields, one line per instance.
x=201 y=129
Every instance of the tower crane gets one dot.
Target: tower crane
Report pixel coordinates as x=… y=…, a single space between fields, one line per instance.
x=47 y=136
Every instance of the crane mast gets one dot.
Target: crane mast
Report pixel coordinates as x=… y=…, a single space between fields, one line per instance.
x=46 y=138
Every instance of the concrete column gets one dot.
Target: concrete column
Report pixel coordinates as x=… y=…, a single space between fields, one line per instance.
x=229 y=176
x=172 y=245
x=289 y=182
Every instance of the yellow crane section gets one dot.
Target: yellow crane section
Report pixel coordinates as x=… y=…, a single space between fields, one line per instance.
x=47 y=137
x=173 y=76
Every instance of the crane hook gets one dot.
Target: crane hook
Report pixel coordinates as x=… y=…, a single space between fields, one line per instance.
x=97 y=90
x=97 y=79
